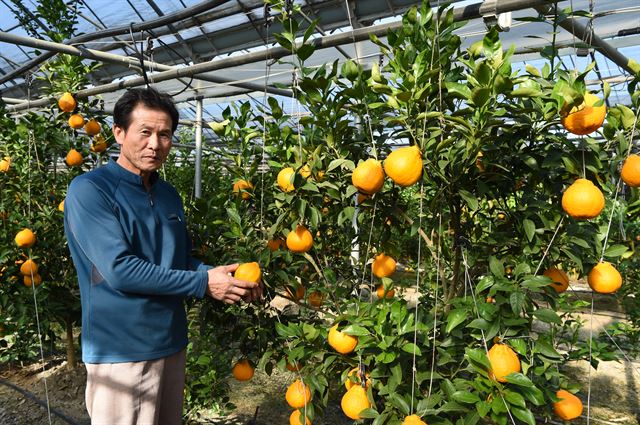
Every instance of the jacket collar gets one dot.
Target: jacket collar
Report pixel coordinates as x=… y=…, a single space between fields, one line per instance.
x=127 y=175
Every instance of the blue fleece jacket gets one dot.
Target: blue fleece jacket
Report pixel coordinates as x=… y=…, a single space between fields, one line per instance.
x=131 y=251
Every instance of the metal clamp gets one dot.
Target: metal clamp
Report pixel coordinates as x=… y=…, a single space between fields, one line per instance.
x=491 y=17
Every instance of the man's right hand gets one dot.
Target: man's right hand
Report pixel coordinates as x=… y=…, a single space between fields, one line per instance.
x=226 y=288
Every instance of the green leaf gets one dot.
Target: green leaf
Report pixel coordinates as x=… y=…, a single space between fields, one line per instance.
x=465 y=397
x=470 y=199
x=400 y=403
x=458 y=90
x=483 y=408
x=514 y=398
x=486 y=282
x=524 y=415
x=615 y=251
x=529 y=228
x=478 y=358
x=496 y=266
x=480 y=96
x=547 y=315
x=517 y=301
x=356 y=330
x=369 y=413
x=519 y=379
x=412 y=348
x=455 y=318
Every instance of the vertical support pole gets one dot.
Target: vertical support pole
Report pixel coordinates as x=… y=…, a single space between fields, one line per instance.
x=198 y=174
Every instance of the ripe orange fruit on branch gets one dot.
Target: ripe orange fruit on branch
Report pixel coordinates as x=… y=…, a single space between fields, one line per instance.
x=503 y=361
x=368 y=177
x=29 y=268
x=585 y=118
x=248 y=271
x=315 y=298
x=285 y=179
x=354 y=401
x=28 y=281
x=296 y=419
x=98 y=145
x=383 y=265
x=358 y=379
x=559 y=278
x=297 y=294
x=293 y=367
x=305 y=171
x=92 y=127
x=341 y=342
x=242 y=370
x=298 y=394
x=404 y=165
x=604 y=278
x=74 y=158
x=76 y=121
x=274 y=244
x=568 y=407
x=300 y=240
x=582 y=200
x=413 y=420
x=630 y=172
x=242 y=187
x=25 y=238
x=381 y=294
x=5 y=164
x=67 y=103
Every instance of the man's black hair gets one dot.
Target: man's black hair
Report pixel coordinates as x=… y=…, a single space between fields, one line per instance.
x=149 y=97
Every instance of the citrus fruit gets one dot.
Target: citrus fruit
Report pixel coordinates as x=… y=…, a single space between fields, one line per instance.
x=74 y=158
x=560 y=279
x=274 y=244
x=248 y=271
x=99 y=144
x=305 y=171
x=604 y=278
x=298 y=394
x=25 y=238
x=296 y=419
x=368 y=176
x=66 y=102
x=341 y=342
x=630 y=172
x=354 y=401
x=28 y=281
x=383 y=265
x=300 y=240
x=92 y=127
x=583 y=200
x=585 y=118
x=76 y=121
x=357 y=379
x=568 y=407
x=381 y=294
x=242 y=370
x=315 y=298
x=296 y=294
x=413 y=420
x=5 y=164
x=242 y=187
x=404 y=165
x=29 y=268
x=503 y=361
x=61 y=206
x=293 y=367
x=285 y=179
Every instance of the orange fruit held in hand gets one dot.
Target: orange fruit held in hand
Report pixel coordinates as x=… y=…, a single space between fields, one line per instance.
x=248 y=271
x=61 y=206
x=381 y=294
x=29 y=268
x=285 y=179
x=297 y=419
x=383 y=266
x=92 y=127
x=315 y=298
x=242 y=187
x=569 y=407
x=25 y=238
x=582 y=200
x=560 y=279
x=630 y=172
x=357 y=379
x=413 y=420
x=74 y=158
x=604 y=278
x=28 y=281
x=404 y=165
x=503 y=361
x=300 y=240
x=76 y=121
x=298 y=394
x=368 y=176
x=341 y=342
x=585 y=118
x=5 y=164
x=297 y=294
x=354 y=401
x=242 y=370
x=67 y=103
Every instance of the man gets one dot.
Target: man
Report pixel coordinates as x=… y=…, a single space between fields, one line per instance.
x=128 y=239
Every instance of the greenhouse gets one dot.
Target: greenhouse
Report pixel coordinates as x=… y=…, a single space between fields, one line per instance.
x=320 y=212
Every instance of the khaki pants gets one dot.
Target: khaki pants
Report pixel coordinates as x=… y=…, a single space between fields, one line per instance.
x=136 y=393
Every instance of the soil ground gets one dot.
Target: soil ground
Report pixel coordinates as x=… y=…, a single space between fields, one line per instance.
x=615 y=389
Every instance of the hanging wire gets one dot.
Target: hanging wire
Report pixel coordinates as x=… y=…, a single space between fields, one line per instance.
x=415 y=323
x=140 y=55
x=439 y=280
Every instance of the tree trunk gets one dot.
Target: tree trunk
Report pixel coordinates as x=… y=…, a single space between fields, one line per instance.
x=71 y=348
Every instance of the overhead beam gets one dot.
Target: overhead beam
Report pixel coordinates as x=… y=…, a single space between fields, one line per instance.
x=589 y=36
x=127 y=61
x=459 y=14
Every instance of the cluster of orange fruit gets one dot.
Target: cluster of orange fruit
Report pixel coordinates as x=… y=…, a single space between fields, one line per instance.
x=5 y=164
x=29 y=269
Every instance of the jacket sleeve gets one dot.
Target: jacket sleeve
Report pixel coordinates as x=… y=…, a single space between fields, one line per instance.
x=92 y=223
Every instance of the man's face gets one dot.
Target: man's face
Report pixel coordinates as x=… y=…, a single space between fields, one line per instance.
x=144 y=146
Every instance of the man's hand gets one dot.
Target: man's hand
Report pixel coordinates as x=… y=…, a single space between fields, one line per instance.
x=226 y=288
